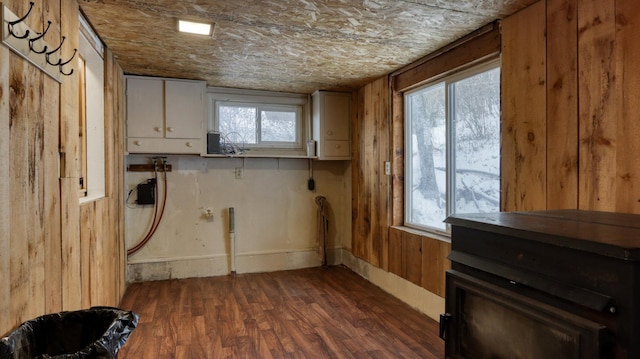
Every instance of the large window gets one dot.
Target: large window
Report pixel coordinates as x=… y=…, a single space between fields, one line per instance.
x=453 y=147
x=258 y=119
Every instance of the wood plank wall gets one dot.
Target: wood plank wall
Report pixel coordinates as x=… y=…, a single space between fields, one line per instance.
x=562 y=105
x=582 y=151
x=524 y=129
x=371 y=204
x=570 y=95
x=419 y=259
x=54 y=253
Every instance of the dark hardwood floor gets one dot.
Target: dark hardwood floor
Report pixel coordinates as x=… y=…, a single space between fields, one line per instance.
x=308 y=313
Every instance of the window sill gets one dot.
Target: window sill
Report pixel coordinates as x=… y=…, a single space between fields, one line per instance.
x=92 y=198
x=423 y=233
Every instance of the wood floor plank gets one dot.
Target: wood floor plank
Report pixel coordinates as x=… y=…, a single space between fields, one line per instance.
x=308 y=313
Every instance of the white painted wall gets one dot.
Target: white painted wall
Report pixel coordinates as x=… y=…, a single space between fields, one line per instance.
x=275 y=222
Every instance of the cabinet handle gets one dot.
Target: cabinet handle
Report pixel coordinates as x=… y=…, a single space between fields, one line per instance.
x=338 y=147
x=329 y=133
x=137 y=143
x=158 y=129
x=189 y=144
x=445 y=320
x=170 y=129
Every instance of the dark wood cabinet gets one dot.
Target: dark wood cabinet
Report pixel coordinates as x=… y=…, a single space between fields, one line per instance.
x=570 y=276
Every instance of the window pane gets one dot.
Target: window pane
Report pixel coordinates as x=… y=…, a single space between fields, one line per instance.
x=278 y=126
x=238 y=123
x=476 y=122
x=427 y=181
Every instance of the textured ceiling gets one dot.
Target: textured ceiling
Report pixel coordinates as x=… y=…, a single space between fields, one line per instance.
x=285 y=45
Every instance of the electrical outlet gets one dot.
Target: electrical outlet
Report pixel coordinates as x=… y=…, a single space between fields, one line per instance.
x=208 y=214
x=387 y=168
x=239 y=172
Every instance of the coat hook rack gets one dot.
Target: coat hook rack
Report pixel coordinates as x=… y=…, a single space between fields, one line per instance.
x=16 y=34
x=34 y=39
x=11 y=24
x=66 y=62
x=49 y=53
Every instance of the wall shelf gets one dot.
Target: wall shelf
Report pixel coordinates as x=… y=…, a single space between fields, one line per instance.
x=257 y=156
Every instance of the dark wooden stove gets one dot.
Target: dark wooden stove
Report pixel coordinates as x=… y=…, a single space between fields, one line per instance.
x=543 y=285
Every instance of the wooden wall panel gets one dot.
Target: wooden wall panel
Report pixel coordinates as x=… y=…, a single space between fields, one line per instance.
x=69 y=144
x=562 y=104
x=51 y=184
x=370 y=186
x=419 y=259
x=412 y=257
x=71 y=251
x=5 y=201
x=101 y=221
x=395 y=251
x=41 y=251
x=95 y=237
x=51 y=193
x=598 y=113
x=51 y=97
x=114 y=129
x=360 y=227
x=370 y=248
x=592 y=90
x=628 y=102
x=35 y=196
x=524 y=110
x=383 y=142
x=435 y=264
x=18 y=196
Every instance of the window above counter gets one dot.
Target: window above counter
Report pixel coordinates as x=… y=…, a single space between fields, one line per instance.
x=256 y=123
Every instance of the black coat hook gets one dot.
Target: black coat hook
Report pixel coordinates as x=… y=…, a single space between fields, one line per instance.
x=12 y=23
x=32 y=40
x=54 y=50
x=66 y=62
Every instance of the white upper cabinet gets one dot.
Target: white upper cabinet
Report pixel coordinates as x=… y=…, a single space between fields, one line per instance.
x=331 y=124
x=164 y=115
x=184 y=102
x=145 y=107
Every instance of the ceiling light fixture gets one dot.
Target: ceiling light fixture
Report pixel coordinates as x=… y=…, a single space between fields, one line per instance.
x=192 y=27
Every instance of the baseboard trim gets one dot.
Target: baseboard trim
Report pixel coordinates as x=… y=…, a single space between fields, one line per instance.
x=415 y=296
x=143 y=270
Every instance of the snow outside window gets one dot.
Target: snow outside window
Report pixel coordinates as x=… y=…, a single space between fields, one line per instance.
x=259 y=125
x=453 y=147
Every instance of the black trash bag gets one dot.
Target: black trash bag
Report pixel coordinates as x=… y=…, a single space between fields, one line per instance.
x=98 y=332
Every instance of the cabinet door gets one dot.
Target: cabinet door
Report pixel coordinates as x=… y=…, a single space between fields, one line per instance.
x=145 y=108
x=184 y=101
x=336 y=116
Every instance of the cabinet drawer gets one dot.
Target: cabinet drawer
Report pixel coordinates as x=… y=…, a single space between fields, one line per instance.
x=163 y=145
x=336 y=149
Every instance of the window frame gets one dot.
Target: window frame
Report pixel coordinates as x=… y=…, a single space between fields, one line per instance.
x=262 y=100
x=260 y=107
x=91 y=115
x=446 y=80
